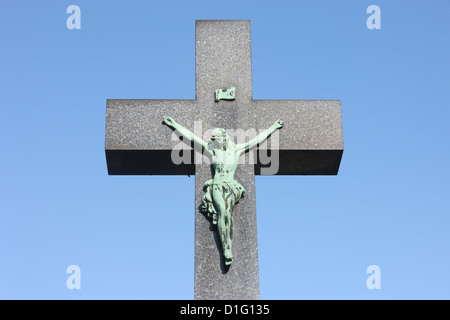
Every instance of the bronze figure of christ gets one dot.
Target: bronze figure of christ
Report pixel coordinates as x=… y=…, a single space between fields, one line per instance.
x=223 y=192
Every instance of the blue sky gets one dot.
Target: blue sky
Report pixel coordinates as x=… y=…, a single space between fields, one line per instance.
x=388 y=206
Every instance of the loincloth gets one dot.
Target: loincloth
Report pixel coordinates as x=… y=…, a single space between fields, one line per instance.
x=229 y=189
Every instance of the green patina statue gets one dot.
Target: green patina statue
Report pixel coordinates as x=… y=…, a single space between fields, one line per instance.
x=223 y=192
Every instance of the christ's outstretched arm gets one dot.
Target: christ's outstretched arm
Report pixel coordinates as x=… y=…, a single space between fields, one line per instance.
x=186 y=133
x=240 y=148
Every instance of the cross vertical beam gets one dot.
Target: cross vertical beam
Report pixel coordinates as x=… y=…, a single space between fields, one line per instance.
x=223 y=60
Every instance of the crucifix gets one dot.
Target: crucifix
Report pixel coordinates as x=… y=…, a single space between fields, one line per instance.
x=303 y=137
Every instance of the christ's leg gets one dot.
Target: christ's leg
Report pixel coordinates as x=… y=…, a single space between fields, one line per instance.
x=229 y=214
x=223 y=222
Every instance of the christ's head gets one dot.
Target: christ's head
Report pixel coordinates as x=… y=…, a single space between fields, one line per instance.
x=220 y=137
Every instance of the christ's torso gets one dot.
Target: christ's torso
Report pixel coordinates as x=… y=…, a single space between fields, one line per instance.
x=224 y=164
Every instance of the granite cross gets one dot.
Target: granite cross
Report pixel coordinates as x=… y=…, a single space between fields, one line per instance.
x=309 y=144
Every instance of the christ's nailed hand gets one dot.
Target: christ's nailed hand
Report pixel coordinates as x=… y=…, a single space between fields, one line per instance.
x=168 y=121
x=278 y=124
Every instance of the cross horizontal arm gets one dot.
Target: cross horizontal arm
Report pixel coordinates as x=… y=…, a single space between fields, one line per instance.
x=136 y=141
x=310 y=142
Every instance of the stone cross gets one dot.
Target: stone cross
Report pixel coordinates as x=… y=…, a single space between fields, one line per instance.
x=310 y=143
